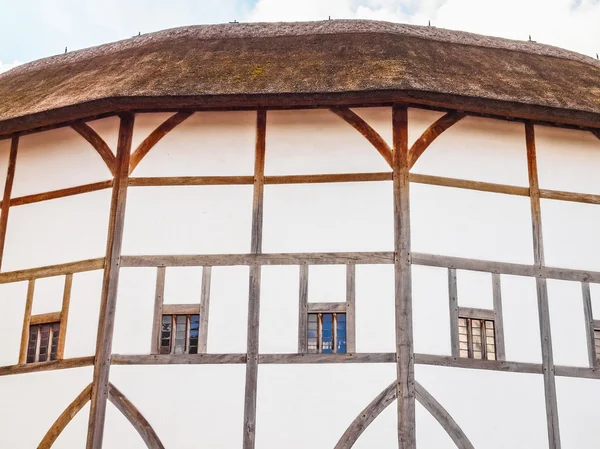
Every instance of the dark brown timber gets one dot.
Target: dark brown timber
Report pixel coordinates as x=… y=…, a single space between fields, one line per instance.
x=402 y=275
x=97 y=142
x=366 y=130
x=109 y=286
x=62 y=193
x=10 y=176
x=430 y=134
x=155 y=136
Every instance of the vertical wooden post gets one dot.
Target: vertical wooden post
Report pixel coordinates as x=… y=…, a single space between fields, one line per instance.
x=64 y=316
x=402 y=271
x=10 y=176
x=254 y=288
x=589 y=323
x=303 y=311
x=498 y=317
x=453 y=303
x=109 y=286
x=204 y=310
x=542 y=293
x=159 y=298
x=350 y=308
x=26 y=322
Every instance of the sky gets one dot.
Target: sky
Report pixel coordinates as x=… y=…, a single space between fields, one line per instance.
x=33 y=29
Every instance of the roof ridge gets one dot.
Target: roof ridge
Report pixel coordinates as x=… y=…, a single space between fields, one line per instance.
x=280 y=29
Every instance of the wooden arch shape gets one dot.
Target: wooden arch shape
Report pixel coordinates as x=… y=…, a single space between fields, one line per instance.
x=94 y=139
x=123 y=404
x=385 y=398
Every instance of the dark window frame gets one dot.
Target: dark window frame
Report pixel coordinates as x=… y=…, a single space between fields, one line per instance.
x=171 y=346
x=324 y=343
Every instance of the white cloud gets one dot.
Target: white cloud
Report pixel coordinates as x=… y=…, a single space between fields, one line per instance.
x=7 y=66
x=571 y=24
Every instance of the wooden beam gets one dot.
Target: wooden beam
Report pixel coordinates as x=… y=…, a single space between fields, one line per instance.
x=453 y=305
x=350 y=308
x=486 y=365
x=46 y=366
x=366 y=130
x=135 y=417
x=85 y=131
x=430 y=134
x=62 y=193
x=109 y=286
x=498 y=317
x=10 y=176
x=155 y=136
x=178 y=359
x=51 y=270
x=204 y=310
x=158 y=309
x=329 y=178
x=44 y=318
x=191 y=181
x=26 y=322
x=303 y=310
x=65 y=418
x=542 y=293
x=586 y=198
x=469 y=185
x=589 y=323
x=250 y=395
x=472 y=312
x=64 y=316
x=327 y=307
x=402 y=273
x=181 y=309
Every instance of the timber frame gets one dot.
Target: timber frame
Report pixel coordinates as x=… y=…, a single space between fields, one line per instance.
x=401 y=159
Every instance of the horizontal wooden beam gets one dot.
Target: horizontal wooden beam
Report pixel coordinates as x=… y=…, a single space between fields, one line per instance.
x=62 y=193
x=469 y=185
x=181 y=309
x=470 y=312
x=183 y=359
x=52 y=270
x=52 y=317
x=46 y=366
x=587 y=198
x=326 y=307
x=191 y=181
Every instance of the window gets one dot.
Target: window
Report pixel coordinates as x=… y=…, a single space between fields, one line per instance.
x=476 y=338
x=327 y=333
x=597 y=342
x=179 y=334
x=43 y=342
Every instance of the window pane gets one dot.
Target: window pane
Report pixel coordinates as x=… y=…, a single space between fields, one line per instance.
x=44 y=342
x=165 y=337
x=32 y=345
x=180 y=334
x=194 y=331
x=313 y=328
x=327 y=334
x=341 y=334
x=55 y=335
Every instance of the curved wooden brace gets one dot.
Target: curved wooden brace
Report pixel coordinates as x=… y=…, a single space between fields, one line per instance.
x=430 y=134
x=134 y=416
x=385 y=398
x=97 y=142
x=596 y=132
x=65 y=418
x=367 y=131
x=155 y=136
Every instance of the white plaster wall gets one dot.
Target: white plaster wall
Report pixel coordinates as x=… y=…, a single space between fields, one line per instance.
x=56 y=159
x=464 y=223
x=322 y=398
x=13 y=297
x=570 y=232
x=144 y=125
x=495 y=410
x=327 y=283
x=567 y=323
x=474 y=289
x=567 y=159
x=108 y=129
x=319 y=142
x=32 y=402
x=48 y=295
x=383 y=432
x=418 y=121
x=192 y=404
x=207 y=143
x=183 y=285
x=578 y=409
x=75 y=434
x=57 y=231
x=595 y=294
x=328 y=217
x=188 y=220
x=118 y=431
x=478 y=149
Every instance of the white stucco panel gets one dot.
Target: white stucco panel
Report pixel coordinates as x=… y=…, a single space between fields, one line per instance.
x=13 y=297
x=578 y=401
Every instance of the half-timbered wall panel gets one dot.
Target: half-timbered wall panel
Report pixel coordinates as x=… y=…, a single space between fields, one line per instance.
x=569 y=342
x=188 y=220
x=279 y=309
x=521 y=321
x=327 y=283
x=183 y=285
x=328 y=217
x=135 y=311
x=108 y=129
x=36 y=400
x=578 y=401
x=118 y=431
x=57 y=231
x=418 y=121
x=567 y=159
x=53 y=160
x=465 y=223
x=474 y=289
x=322 y=398
x=571 y=238
x=595 y=294
x=205 y=144
x=48 y=295
x=84 y=309
x=144 y=124
x=228 y=317
x=75 y=434
x=375 y=308
x=187 y=404
x=13 y=297
x=383 y=431
x=478 y=149
x=430 y=434
x=320 y=142
x=431 y=319
x=483 y=404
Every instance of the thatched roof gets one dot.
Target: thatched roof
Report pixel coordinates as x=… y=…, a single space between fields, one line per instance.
x=291 y=63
